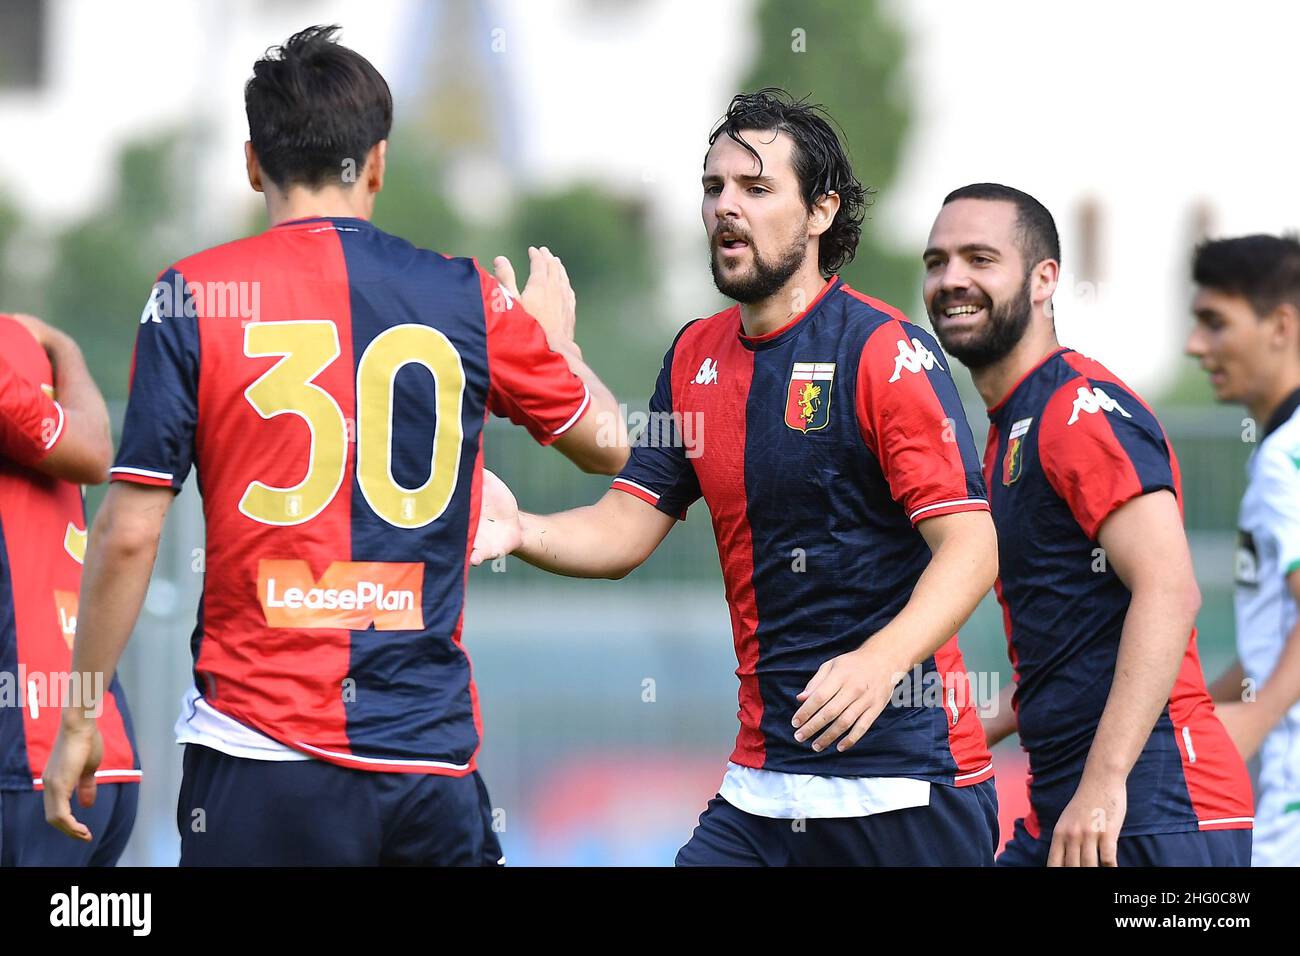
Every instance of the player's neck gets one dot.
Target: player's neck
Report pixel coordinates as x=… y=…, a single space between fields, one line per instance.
x=330 y=202
x=995 y=381
x=1263 y=408
x=760 y=318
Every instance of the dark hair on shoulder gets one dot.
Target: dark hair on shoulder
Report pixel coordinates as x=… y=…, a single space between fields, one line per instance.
x=1038 y=237
x=312 y=105
x=1264 y=269
x=821 y=162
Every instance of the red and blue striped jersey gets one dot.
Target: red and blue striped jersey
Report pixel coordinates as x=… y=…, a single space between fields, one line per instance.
x=1069 y=445
x=42 y=546
x=329 y=383
x=818 y=448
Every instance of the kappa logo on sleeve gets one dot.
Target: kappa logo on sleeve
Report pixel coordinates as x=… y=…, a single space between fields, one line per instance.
x=1092 y=401
x=352 y=595
x=913 y=357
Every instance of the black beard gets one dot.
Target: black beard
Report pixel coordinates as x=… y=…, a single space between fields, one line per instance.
x=1002 y=332
x=764 y=280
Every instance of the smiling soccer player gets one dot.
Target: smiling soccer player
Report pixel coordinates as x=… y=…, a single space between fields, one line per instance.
x=1129 y=765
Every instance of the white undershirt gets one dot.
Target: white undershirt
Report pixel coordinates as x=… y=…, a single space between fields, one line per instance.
x=201 y=723
x=790 y=796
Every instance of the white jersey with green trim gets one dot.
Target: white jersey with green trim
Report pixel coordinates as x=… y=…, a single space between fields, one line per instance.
x=1268 y=551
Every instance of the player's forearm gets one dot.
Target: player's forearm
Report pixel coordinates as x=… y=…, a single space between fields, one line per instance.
x=1230 y=685
x=1001 y=724
x=85 y=450
x=962 y=568
x=576 y=543
x=1160 y=618
x=120 y=556
x=609 y=438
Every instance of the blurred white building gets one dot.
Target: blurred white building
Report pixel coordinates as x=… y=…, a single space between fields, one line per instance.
x=1140 y=126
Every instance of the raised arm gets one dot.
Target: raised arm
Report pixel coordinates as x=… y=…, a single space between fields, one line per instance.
x=597 y=440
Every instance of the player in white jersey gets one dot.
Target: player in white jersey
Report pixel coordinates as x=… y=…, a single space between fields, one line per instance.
x=1247 y=337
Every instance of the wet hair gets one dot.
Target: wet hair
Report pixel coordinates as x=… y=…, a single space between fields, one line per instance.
x=821 y=163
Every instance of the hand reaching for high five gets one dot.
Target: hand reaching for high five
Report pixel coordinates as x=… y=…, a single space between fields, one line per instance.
x=548 y=297
x=499 y=532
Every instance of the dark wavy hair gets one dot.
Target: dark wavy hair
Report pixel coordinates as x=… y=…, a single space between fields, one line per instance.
x=821 y=162
x=1263 y=269
x=312 y=105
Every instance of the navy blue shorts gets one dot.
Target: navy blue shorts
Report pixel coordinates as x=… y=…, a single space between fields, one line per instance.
x=958 y=828
x=27 y=840
x=1192 y=848
x=234 y=811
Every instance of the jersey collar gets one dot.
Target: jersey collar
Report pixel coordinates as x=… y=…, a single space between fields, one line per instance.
x=1282 y=414
x=790 y=329
x=1002 y=403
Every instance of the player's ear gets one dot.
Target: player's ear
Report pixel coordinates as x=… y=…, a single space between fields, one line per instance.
x=1046 y=275
x=376 y=161
x=254 y=167
x=823 y=213
x=1286 y=327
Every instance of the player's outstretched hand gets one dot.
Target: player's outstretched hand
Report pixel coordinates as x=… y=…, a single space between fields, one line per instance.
x=498 y=532
x=1087 y=833
x=72 y=765
x=548 y=297
x=844 y=698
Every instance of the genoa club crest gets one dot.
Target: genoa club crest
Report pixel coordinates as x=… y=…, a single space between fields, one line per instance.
x=808 y=398
x=1013 y=463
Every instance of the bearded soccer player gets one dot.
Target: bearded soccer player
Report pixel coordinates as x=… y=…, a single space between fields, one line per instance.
x=832 y=433
x=1247 y=337
x=337 y=437
x=1129 y=765
x=54 y=436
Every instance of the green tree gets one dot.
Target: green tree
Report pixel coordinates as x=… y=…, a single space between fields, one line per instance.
x=105 y=265
x=849 y=58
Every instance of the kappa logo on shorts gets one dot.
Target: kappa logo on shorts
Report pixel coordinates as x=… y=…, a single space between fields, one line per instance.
x=808 y=396
x=1093 y=401
x=353 y=595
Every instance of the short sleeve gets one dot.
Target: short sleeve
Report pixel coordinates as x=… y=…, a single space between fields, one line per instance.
x=1278 y=478
x=157 y=445
x=912 y=420
x=529 y=383
x=659 y=470
x=31 y=422
x=1100 y=447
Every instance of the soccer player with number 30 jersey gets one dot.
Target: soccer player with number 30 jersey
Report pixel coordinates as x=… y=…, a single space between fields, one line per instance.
x=337 y=441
